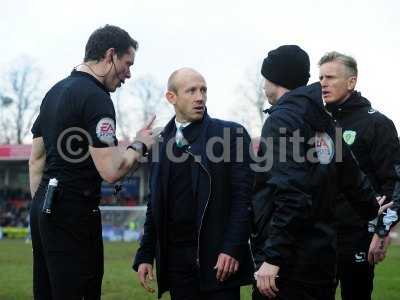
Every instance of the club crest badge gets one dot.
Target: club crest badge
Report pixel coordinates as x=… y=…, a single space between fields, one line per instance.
x=349 y=136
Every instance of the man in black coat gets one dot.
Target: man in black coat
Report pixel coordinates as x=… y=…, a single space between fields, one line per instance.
x=304 y=166
x=373 y=139
x=74 y=146
x=198 y=216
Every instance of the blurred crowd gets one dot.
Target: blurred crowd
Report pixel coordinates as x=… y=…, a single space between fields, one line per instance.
x=14 y=208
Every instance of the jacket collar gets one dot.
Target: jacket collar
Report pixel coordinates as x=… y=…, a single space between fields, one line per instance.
x=307 y=101
x=197 y=145
x=192 y=132
x=355 y=101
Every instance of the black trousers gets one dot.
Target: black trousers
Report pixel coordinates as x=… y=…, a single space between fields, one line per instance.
x=67 y=250
x=184 y=277
x=290 y=290
x=356 y=276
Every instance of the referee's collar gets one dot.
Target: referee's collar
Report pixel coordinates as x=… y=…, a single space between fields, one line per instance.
x=76 y=73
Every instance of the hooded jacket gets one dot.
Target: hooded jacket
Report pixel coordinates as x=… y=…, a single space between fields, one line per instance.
x=373 y=139
x=306 y=165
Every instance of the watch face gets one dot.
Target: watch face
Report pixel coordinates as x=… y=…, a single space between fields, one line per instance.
x=138 y=146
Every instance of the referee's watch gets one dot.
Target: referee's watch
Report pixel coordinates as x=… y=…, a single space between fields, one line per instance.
x=139 y=147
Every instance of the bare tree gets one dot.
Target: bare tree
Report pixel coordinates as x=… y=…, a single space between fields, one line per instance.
x=5 y=135
x=252 y=100
x=149 y=93
x=122 y=117
x=136 y=104
x=20 y=99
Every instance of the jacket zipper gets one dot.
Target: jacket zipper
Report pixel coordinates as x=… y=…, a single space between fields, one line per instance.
x=251 y=254
x=204 y=212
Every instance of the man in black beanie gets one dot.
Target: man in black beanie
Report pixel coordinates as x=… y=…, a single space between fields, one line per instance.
x=302 y=166
x=287 y=66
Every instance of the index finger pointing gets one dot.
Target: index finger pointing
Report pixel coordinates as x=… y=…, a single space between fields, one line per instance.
x=148 y=126
x=387 y=205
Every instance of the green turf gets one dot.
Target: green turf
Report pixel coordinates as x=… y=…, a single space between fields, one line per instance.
x=120 y=282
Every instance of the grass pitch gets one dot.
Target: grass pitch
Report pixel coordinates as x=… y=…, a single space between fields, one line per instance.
x=120 y=282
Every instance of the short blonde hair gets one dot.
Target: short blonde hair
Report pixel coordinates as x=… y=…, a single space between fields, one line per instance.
x=349 y=62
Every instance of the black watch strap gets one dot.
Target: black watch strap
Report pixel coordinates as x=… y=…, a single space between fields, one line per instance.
x=140 y=147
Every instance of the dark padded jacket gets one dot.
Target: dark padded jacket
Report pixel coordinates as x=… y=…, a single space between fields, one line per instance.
x=307 y=164
x=373 y=139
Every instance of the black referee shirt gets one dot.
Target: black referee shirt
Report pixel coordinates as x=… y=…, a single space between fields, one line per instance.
x=75 y=113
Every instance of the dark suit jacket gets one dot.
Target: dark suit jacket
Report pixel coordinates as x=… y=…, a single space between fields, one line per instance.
x=223 y=191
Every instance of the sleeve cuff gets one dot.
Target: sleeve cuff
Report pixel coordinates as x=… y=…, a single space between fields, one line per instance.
x=234 y=251
x=138 y=262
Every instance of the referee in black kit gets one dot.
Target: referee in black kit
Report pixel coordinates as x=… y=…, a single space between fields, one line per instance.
x=74 y=144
